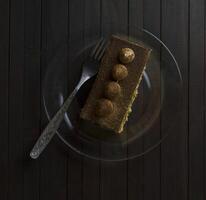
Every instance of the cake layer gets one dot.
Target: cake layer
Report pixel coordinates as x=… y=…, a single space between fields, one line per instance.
x=129 y=85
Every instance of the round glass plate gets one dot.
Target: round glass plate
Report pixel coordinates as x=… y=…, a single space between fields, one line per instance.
x=154 y=112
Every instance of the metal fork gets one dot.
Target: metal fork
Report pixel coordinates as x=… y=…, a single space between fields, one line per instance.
x=89 y=69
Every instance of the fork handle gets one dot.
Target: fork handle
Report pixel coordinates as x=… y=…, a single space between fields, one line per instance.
x=52 y=127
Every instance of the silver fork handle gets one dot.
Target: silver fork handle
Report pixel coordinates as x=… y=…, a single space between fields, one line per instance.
x=53 y=125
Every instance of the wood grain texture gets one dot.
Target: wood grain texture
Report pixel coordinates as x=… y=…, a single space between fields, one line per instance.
x=152 y=179
x=53 y=169
x=204 y=93
x=196 y=100
x=75 y=33
x=4 y=92
x=114 y=175
x=30 y=33
x=16 y=87
x=174 y=150
x=31 y=96
x=91 y=168
x=135 y=167
x=135 y=13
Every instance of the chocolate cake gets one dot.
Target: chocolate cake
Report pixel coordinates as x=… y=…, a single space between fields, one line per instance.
x=116 y=86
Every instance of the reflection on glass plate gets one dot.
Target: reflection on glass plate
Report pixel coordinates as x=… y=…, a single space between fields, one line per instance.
x=154 y=112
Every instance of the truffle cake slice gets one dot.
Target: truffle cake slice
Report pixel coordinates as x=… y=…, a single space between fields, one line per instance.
x=113 y=113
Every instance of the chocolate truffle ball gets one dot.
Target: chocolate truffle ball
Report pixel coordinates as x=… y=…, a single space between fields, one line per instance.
x=119 y=72
x=104 y=108
x=126 y=55
x=112 y=90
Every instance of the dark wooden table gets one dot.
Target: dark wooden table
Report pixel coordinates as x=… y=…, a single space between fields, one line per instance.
x=31 y=28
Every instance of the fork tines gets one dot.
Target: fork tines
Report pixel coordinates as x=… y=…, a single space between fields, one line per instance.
x=99 y=49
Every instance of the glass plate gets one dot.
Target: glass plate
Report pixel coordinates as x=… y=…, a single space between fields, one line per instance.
x=154 y=112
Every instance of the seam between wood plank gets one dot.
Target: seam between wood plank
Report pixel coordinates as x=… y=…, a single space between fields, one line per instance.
x=204 y=100
x=9 y=65
x=188 y=97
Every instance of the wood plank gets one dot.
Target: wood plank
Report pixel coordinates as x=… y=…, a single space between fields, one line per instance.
x=174 y=157
x=4 y=92
x=53 y=173
x=196 y=100
x=114 y=16
x=135 y=14
x=204 y=154
x=135 y=167
x=152 y=18
x=136 y=176
x=76 y=33
x=16 y=77
x=114 y=174
x=91 y=168
x=32 y=109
